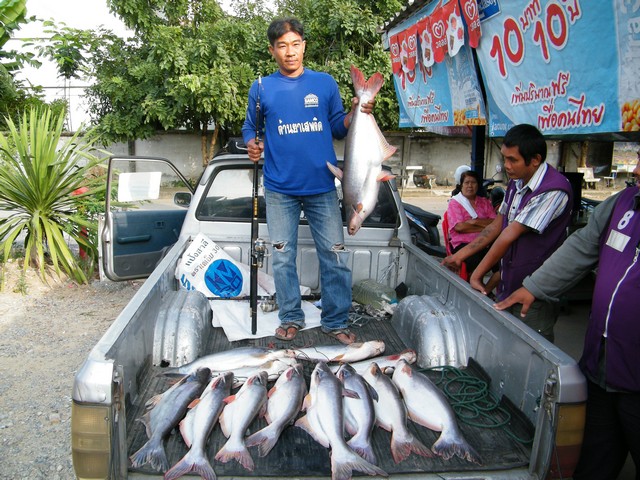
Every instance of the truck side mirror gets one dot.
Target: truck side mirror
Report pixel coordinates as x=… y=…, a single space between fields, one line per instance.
x=182 y=199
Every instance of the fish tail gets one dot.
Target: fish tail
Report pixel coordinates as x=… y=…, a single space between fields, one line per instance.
x=362 y=86
x=401 y=448
x=343 y=464
x=363 y=448
x=264 y=439
x=239 y=453
x=198 y=464
x=152 y=453
x=449 y=445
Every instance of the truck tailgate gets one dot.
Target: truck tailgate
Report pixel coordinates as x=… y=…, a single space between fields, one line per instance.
x=297 y=454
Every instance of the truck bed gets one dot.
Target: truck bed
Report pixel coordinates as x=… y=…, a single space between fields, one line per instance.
x=297 y=454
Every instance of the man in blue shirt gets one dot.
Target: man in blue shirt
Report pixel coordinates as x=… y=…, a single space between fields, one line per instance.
x=302 y=112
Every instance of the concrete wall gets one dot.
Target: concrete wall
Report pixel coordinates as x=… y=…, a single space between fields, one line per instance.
x=183 y=149
x=437 y=155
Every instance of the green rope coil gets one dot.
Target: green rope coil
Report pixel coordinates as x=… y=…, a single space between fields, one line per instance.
x=472 y=401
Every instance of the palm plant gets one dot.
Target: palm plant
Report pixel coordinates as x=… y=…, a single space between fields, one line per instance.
x=39 y=174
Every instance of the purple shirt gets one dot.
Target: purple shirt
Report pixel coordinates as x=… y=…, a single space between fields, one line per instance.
x=531 y=249
x=615 y=315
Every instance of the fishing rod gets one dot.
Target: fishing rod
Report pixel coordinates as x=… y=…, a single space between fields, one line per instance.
x=310 y=297
x=258 y=247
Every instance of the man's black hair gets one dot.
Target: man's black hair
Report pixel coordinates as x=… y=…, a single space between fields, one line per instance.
x=529 y=141
x=280 y=26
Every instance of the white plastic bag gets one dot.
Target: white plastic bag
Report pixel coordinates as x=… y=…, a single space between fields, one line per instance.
x=206 y=267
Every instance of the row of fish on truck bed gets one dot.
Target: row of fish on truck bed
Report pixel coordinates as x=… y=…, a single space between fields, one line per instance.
x=352 y=389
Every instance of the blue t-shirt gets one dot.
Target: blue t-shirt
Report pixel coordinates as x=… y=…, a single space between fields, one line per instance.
x=300 y=116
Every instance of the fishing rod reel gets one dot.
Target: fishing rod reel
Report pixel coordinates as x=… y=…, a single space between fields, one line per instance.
x=260 y=251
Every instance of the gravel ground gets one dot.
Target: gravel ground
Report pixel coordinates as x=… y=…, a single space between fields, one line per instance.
x=46 y=332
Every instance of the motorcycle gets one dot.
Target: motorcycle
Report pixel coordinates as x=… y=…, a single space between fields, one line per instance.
x=492 y=188
x=424 y=230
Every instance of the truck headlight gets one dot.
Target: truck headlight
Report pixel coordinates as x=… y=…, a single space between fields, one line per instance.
x=90 y=440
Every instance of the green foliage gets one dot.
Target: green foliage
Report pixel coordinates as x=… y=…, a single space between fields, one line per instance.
x=38 y=176
x=14 y=98
x=66 y=47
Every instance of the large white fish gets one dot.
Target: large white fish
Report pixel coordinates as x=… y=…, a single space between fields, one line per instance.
x=386 y=364
x=167 y=409
x=364 y=151
x=241 y=409
x=273 y=368
x=283 y=405
x=231 y=359
x=359 y=413
x=196 y=428
x=427 y=406
x=391 y=414
x=341 y=353
x=324 y=421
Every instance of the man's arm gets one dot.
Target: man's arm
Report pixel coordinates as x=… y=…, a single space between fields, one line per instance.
x=576 y=257
x=485 y=238
x=506 y=238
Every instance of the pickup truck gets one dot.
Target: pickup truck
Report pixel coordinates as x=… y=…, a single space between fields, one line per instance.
x=153 y=215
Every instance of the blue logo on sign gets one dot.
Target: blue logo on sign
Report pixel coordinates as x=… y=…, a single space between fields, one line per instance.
x=488 y=9
x=223 y=279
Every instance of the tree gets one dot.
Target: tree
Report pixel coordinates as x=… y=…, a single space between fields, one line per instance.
x=66 y=47
x=14 y=98
x=190 y=65
x=185 y=69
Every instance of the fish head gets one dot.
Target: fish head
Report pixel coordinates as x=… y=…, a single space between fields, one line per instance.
x=222 y=381
x=402 y=368
x=282 y=354
x=355 y=222
x=202 y=375
x=374 y=370
x=298 y=369
x=293 y=371
x=345 y=371
x=377 y=347
x=260 y=378
x=409 y=355
x=320 y=372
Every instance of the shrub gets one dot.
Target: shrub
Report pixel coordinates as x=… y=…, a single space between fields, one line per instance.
x=39 y=173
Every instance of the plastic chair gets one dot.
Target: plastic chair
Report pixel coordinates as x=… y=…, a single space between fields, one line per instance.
x=449 y=249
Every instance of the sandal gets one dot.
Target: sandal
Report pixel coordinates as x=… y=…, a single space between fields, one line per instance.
x=289 y=334
x=347 y=339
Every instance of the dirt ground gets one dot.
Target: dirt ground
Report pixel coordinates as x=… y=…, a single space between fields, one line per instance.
x=46 y=332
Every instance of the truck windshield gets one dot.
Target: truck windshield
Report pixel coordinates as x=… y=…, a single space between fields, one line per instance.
x=229 y=197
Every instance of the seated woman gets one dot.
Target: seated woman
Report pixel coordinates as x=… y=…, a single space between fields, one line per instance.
x=468 y=214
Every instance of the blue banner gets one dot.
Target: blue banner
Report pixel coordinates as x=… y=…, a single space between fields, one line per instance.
x=566 y=66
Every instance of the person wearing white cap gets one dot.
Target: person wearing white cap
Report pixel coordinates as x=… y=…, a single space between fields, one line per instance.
x=456 y=176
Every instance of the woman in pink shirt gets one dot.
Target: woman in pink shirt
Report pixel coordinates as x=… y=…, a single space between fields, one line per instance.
x=468 y=214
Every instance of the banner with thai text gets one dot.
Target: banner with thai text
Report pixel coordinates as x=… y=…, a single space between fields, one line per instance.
x=566 y=66
x=433 y=68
